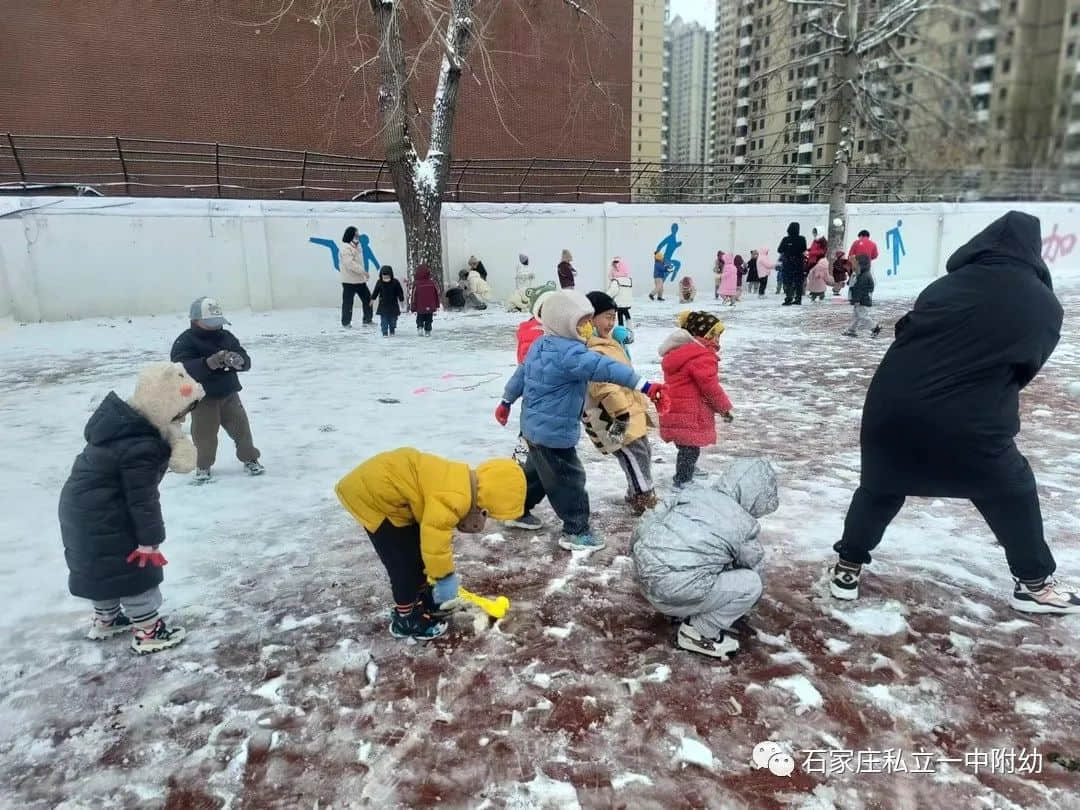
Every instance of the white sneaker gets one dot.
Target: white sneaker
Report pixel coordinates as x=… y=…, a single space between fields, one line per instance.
x=691 y=640
x=99 y=630
x=254 y=468
x=845 y=582
x=202 y=476
x=1053 y=597
x=157 y=638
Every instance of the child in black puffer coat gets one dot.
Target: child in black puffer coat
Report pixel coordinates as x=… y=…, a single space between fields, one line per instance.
x=110 y=515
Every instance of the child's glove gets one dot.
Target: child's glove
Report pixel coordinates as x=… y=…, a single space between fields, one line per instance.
x=617 y=431
x=234 y=360
x=727 y=417
x=502 y=413
x=654 y=391
x=148 y=554
x=217 y=361
x=446 y=589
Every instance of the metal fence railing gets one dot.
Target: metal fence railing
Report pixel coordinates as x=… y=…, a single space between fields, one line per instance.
x=114 y=165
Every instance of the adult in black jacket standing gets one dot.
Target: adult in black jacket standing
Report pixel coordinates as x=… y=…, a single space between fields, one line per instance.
x=792 y=252
x=213 y=356
x=943 y=409
x=391 y=295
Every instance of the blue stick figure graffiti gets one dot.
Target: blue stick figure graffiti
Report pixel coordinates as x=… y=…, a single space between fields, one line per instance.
x=369 y=254
x=894 y=241
x=668 y=245
x=335 y=252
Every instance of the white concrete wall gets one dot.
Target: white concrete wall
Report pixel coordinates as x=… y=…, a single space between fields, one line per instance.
x=64 y=258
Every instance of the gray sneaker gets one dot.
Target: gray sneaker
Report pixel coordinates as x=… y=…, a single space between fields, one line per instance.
x=527 y=522
x=254 y=468
x=202 y=476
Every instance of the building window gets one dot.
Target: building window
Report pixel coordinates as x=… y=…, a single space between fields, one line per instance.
x=862 y=145
x=1006 y=65
x=785 y=159
x=790 y=96
x=787 y=138
x=1012 y=7
x=1001 y=122
x=787 y=118
x=826 y=63
x=819 y=153
x=821 y=130
x=907 y=115
x=1009 y=37
x=954 y=26
x=1069 y=51
x=791 y=75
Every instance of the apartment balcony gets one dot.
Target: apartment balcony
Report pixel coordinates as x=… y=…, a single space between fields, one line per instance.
x=745 y=21
x=804 y=148
x=746 y=42
x=982 y=116
x=809 y=104
x=741 y=122
x=743 y=83
x=982 y=89
x=1072 y=158
x=986 y=33
x=1073 y=128
x=810 y=81
x=989 y=5
x=804 y=169
x=987 y=60
x=744 y=62
x=739 y=160
x=740 y=141
x=806 y=126
x=742 y=103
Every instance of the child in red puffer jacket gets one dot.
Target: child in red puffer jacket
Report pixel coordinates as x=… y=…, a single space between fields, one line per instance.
x=692 y=394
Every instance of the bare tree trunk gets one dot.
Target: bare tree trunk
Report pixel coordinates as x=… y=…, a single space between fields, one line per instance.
x=419 y=184
x=845 y=68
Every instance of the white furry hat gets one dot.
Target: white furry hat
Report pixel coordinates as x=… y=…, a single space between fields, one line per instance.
x=562 y=311
x=165 y=393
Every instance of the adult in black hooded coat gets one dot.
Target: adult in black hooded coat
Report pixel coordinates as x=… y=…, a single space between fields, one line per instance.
x=943 y=408
x=792 y=252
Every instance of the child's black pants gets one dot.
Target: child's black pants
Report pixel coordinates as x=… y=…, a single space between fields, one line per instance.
x=399 y=550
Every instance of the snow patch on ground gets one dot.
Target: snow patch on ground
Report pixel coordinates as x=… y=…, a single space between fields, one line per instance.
x=804 y=691
x=883 y=620
x=692 y=752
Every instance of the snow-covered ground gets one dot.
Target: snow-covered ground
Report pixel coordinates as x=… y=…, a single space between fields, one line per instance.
x=290 y=693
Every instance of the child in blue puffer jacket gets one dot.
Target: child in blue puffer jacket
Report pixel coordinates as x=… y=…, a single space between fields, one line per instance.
x=552 y=383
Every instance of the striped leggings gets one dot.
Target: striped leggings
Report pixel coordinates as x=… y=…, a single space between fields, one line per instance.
x=635 y=459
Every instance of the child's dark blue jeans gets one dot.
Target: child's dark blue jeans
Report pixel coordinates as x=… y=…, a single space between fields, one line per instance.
x=388 y=324
x=557 y=474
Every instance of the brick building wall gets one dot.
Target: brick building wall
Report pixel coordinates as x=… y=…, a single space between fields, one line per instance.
x=219 y=72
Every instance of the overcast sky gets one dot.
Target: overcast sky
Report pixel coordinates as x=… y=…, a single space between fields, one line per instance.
x=702 y=11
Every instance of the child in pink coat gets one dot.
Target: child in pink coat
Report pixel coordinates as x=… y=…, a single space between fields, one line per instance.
x=729 y=280
x=819 y=280
x=765 y=266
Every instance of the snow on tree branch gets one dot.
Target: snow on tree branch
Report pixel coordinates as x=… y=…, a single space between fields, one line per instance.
x=579 y=9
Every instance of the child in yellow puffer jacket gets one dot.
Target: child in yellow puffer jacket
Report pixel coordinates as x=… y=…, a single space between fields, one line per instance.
x=409 y=503
x=617 y=419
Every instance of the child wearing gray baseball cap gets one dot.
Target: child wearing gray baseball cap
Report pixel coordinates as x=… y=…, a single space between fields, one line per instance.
x=213 y=356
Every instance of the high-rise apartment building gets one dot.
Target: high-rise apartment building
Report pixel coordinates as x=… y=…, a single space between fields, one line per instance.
x=647 y=125
x=690 y=73
x=974 y=83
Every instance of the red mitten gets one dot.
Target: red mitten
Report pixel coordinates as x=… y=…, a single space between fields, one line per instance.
x=502 y=414
x=148 y=554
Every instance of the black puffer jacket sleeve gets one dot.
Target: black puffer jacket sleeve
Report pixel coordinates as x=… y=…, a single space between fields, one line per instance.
x=185 y=351
x=140 y=474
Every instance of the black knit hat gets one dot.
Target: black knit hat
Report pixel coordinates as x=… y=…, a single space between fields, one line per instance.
x=601 y=302
x=701 y=324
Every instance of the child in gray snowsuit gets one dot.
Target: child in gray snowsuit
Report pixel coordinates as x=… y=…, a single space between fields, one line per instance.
x=697 y=556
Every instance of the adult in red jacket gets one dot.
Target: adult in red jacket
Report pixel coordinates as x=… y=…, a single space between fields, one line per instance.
x=425 y=299
x=863 y=246
x=692 y=393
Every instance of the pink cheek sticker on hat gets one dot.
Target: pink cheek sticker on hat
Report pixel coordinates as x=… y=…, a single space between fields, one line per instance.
x=186 y=390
